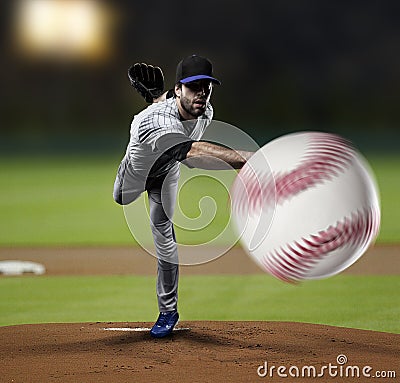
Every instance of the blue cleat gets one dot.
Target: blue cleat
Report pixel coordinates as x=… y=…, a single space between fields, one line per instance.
x=165 y=324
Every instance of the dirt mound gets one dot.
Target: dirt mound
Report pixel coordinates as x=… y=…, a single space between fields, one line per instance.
x=197 y=352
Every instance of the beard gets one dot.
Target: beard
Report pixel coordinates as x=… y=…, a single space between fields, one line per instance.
x=193 y=108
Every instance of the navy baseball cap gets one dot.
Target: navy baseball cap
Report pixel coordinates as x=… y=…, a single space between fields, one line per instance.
x=194 y=68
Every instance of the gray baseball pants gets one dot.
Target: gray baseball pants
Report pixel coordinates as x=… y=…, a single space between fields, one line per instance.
x=162 y=192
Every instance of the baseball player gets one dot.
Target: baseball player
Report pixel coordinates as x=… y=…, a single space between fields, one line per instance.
x=162 y=136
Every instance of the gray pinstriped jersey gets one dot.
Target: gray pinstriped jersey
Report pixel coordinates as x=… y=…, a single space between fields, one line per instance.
x=153 y=122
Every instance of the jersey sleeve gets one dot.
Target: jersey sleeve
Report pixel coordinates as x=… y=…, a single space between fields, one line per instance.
x=158 y=124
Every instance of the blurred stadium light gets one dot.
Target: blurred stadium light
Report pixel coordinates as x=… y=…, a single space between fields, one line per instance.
x=64 y=29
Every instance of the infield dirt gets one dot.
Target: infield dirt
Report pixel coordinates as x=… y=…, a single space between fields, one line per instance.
x=200 y=351
x=206 y=352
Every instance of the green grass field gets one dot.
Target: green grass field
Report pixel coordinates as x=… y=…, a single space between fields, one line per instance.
x=367 y=302
x=68 y=201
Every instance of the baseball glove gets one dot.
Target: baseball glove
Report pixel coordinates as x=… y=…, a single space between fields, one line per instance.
x=148 y=80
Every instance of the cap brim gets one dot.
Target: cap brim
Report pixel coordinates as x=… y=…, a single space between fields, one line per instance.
x=200 y=77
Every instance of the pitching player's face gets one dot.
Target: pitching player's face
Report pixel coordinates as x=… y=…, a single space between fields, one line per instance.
x=194 y=97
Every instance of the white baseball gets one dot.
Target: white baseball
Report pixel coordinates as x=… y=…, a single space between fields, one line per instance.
x=306 y=206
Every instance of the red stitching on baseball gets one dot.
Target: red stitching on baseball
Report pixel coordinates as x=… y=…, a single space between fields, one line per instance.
x=251 y=191
x=292 y=262
x=327 y=155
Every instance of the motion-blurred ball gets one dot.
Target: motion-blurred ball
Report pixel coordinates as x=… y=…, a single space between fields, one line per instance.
x=306 y=206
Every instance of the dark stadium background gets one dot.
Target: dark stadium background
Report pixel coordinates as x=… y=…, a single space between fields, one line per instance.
x=285 y=66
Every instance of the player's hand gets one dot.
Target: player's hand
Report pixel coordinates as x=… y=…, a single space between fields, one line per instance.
x=148 y=80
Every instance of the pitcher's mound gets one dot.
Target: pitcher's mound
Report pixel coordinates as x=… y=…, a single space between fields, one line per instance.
x=196 y=352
